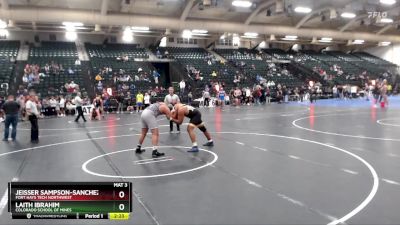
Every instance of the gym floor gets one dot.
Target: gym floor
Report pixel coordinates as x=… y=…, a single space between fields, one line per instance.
x=330 y=162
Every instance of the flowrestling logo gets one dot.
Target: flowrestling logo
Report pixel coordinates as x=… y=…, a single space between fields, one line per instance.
x=377 y=14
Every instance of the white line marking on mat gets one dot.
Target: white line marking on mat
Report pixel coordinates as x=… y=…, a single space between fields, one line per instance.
x=353 y=212
x=239 y=143
x=262 y=149
x=252 y=183
x=86 y=170
x=154 y=161
x=390 y=181
x=375 y=177
x=294 y=123
x=349 y=171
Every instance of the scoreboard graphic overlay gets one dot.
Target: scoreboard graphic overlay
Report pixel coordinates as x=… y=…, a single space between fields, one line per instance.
x=70 y=200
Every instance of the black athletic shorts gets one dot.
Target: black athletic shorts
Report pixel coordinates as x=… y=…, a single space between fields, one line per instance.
x=195 y=117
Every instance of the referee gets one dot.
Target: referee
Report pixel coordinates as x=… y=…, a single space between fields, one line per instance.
x=170 y=100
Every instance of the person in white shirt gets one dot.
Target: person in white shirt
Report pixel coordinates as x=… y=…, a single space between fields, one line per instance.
x=53 y=105
x=182 y=86
x=248 y=94
x=33 y=113
x=146 y=100
x=78 y=103
x=170 y=100
x=62 y=106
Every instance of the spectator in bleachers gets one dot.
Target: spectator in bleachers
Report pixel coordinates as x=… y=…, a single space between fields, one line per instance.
x=100 y=86
x=47 y=68
x=213 y=74
x=70 y=71
x=158 y=54
x=132 y=88
x=25 y=79
x=126 y=58
x=77 y=62
x=98 y=77
x=72 y=87
x=156 y=75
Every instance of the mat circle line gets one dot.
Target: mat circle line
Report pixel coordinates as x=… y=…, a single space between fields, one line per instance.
x=352 y=213
x=86 y=170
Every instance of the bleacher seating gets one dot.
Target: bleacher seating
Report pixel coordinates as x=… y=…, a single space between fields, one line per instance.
x=102 y=57
x=116 y=50
x=253 y=63
x=8 y=50
x=242 y=53
x=54 y=49
x=278 y=53
x=60 y=53
x=373 y=59
x=199 y=59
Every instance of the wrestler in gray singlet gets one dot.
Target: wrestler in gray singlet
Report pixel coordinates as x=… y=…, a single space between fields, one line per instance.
x=149 y=115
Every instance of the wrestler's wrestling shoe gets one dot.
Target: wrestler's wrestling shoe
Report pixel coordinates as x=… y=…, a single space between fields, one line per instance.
x=156 y=154
x=139 y=150
x=194 y=149
x=209 y=143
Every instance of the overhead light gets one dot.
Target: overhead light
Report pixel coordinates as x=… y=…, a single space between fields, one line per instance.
x=186 y=34
x=384 y=43
x=163 y=42
x=386 y=20
x=71 y=35
x=3 y=24
x=127 y=38
x=140 y=28
x=240 y=3
x=250 y=34
x=127 y=30
x=301 y=9
x=4 y=33
x=196 y=31
x=348 y=15
x=127 y=35
x=326 y=39
x=388 y=2
x=358 y=42
x=291 y=37
x=73 y=24
x=236 y=40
